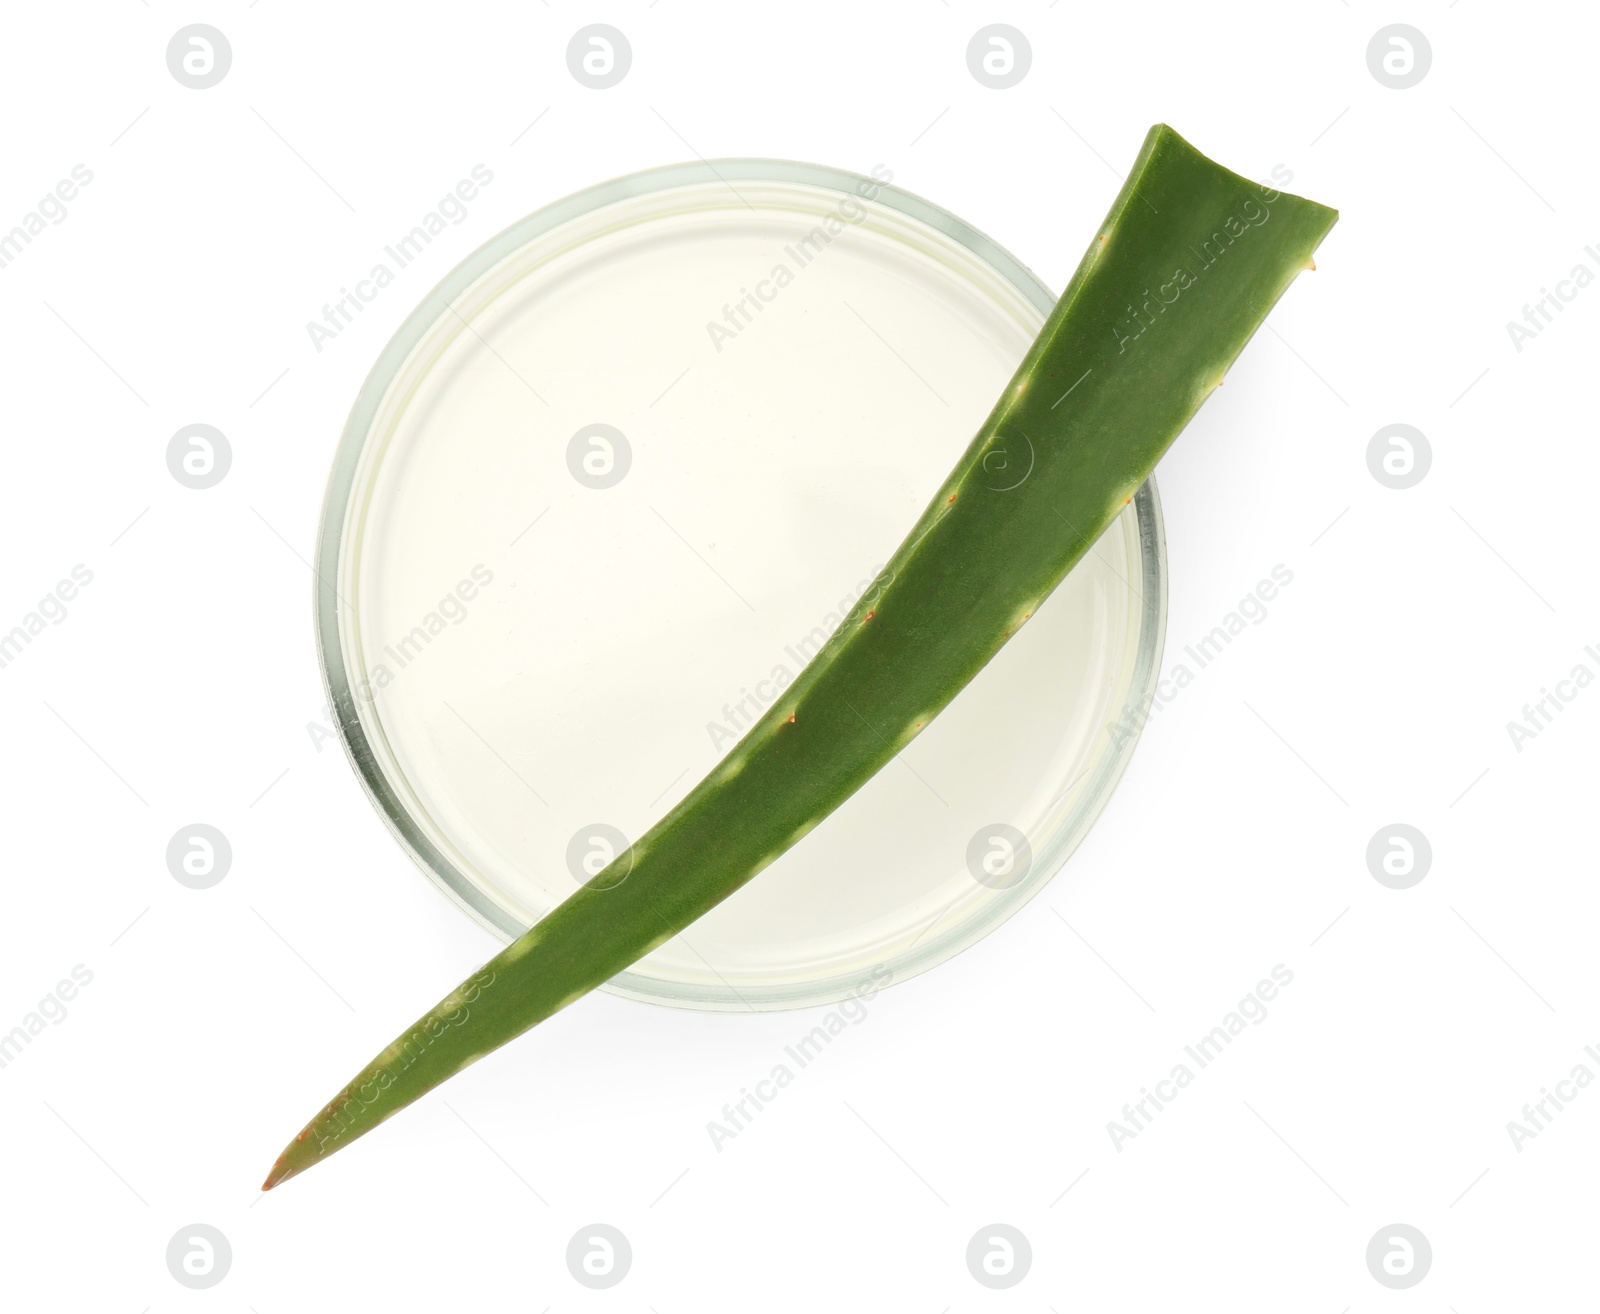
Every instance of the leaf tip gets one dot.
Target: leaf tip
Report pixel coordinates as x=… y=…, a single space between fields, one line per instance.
x=281 y=1172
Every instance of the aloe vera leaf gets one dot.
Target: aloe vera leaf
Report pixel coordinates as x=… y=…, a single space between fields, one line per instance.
x=1182 y=272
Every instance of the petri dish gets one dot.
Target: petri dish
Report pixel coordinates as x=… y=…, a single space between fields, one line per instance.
x=604 y=493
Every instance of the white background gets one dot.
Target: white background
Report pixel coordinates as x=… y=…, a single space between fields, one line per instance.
x=180 y=686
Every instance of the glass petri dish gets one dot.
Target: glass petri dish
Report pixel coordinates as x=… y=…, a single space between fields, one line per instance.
x=604 y=493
